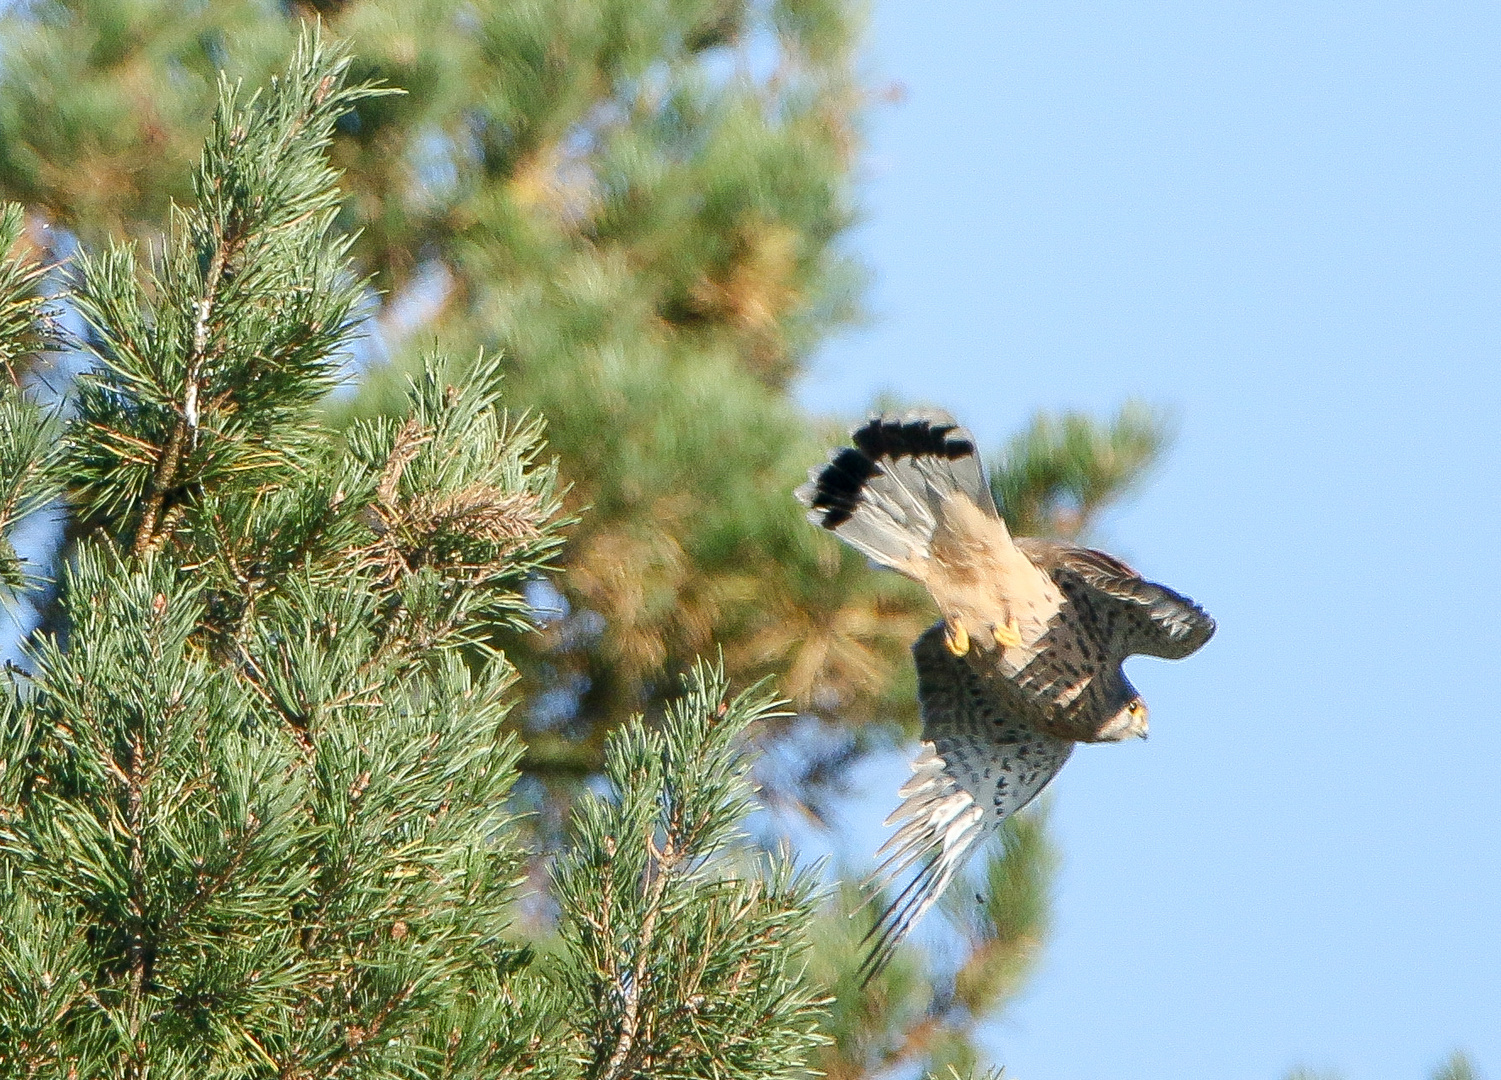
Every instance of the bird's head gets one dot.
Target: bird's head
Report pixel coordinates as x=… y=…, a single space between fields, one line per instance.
x=1128 y=720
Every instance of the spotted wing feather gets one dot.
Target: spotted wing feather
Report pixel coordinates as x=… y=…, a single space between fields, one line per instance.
x=1159 y=621
x=978 y=766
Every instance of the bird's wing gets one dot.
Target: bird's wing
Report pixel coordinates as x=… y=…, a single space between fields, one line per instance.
x=1161 y=622
x=977 y=767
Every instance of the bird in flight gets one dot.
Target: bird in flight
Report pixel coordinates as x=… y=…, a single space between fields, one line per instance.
x=1024 y=663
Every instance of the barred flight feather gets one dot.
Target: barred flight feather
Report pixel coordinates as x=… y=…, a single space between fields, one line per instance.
x=938 y=821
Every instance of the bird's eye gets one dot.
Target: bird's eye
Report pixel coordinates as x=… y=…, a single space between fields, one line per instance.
x=1137 y=708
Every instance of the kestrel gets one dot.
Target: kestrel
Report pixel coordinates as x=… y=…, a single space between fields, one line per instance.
x=1025 y=662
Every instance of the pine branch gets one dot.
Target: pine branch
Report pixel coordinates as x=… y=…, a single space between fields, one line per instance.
x=260 y=789
x=1055 y=478
x=210 y=377
x=28 y=438
x=679 y=952
x=1458 y=1067
x=629 y=990
x=164 y=476
x=654 y=251
x=26 y=319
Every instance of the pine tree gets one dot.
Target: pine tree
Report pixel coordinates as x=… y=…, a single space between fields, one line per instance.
x=636 y=208
x=1457 y=1067
x=253 y=799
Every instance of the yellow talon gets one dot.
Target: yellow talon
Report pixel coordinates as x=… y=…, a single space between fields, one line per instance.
x=956 y=638
x=1010 y=635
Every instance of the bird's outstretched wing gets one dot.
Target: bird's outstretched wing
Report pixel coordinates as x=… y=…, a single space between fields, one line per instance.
x=1160 y=622
x=977 y=767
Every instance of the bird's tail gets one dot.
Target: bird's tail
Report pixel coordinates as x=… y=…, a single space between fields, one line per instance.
x=886 y=495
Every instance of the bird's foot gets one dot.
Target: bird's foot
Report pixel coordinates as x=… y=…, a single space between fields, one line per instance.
x=956 y=638
x=1008 y=636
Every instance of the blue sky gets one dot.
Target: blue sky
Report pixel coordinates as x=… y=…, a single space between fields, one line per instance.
x=1284 y=222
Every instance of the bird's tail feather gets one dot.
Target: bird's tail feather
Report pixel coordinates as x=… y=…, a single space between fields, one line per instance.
x=885 y=496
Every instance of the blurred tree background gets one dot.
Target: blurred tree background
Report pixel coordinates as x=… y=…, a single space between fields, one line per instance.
x=638 y=206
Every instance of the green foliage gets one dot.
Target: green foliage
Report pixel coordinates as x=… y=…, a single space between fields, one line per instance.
x=685 y=956
x=210 y=369
x=1458 y=1067
x=1008 y=926
x=25 y=320
x=953 y=1073
x=914 y=1013
x=1057 y=476
x=234 y=890
x=28 y=437
x=254 y=805
x=637 y=205
x=631 y=211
